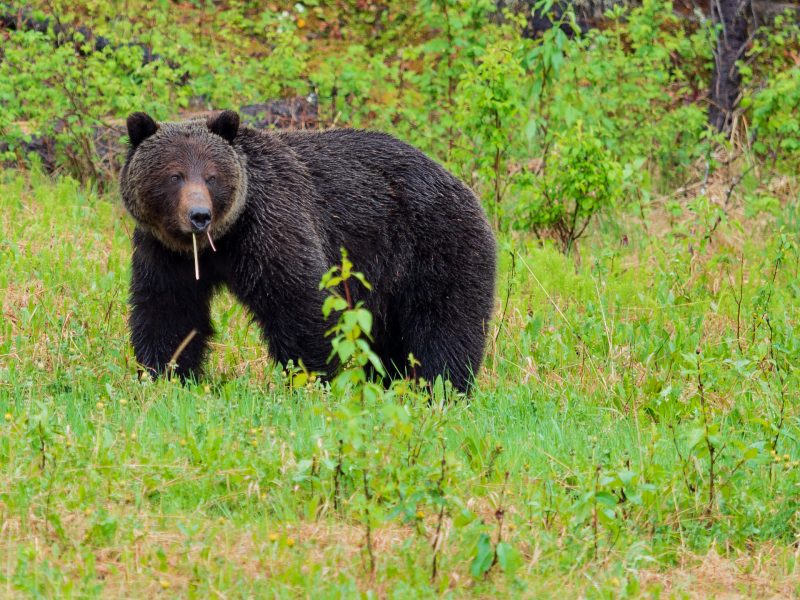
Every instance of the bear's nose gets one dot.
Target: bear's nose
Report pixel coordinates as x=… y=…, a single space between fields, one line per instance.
x=200 y=218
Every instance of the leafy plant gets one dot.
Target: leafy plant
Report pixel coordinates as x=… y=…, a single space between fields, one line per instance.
x=492 y=107
x=581 y=180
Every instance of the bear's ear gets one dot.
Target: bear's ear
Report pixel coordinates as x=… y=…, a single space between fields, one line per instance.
x=140 y=127
x=225 y=124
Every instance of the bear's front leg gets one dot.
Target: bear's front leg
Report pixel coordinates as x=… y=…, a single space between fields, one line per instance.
x=167 y=306
x=286 y=302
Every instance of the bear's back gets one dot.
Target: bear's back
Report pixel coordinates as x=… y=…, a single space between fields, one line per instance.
x=363 y=200
x=378 y=196
x=373 y=165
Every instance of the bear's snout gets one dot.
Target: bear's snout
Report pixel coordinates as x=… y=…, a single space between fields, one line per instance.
x=195 y=204
x=200 y=218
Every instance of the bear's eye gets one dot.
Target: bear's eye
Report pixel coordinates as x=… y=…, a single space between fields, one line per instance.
x=174 y=178
x=211 y=180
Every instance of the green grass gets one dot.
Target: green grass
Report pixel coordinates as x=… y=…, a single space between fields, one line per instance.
x=588 y=435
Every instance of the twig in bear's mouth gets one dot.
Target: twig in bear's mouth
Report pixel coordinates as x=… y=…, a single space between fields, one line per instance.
x=210 y=241
x=196 y=262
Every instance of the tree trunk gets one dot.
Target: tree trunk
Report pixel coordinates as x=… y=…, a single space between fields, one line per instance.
x=732 y=19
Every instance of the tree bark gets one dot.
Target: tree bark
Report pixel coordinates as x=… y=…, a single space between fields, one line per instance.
x=732 y=19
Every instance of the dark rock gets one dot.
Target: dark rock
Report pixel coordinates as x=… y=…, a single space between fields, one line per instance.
x=291 y=113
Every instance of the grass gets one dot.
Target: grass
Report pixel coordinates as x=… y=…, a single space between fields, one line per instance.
x=581 y=466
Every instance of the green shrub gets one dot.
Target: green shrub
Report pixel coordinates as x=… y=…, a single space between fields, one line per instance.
x=62 y=89
x=491 y=108
x=72 y=95
x=775 y=126
x=581 y=179
x=771 y=92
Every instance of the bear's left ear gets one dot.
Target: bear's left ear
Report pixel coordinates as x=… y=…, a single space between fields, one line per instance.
x=225 y=124
x=140 y=127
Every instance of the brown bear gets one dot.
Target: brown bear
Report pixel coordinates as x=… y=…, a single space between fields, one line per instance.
x=267 y=214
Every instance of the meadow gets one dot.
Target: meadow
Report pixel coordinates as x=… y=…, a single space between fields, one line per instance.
x=633 y=431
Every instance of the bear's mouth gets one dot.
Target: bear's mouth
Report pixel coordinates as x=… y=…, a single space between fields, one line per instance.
x=182 y=239
x=187 y=239
x=205 y=238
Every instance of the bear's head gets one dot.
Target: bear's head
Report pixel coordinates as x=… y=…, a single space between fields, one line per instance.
x=184 y=178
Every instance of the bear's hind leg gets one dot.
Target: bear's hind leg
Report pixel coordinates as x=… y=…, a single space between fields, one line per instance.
x=445 y=346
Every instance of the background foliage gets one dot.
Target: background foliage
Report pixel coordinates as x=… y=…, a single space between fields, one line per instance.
x=635 y=426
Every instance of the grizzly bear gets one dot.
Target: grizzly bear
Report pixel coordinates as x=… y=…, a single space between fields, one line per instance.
x=267 y=213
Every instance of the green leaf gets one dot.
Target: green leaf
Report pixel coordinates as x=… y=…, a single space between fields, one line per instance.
x=365 y=320
x=345 y=349
x=483 y=558
x=508 y=558
x=463 y=517
x=606 y=498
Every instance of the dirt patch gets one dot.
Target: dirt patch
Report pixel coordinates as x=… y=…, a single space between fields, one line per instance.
x=768 y=573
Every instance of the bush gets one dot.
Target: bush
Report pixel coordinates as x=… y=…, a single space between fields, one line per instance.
x=72 y=94
x=580 y=180
x=63 y=88
x=771 y=94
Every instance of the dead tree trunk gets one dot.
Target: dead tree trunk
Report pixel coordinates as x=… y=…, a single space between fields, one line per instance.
x=732 y=18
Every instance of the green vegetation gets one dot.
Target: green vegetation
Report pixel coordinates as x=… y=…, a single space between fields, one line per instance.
x=634 y=431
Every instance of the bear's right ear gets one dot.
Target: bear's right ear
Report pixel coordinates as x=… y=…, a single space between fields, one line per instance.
x=225 y=124
x=140 y=127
